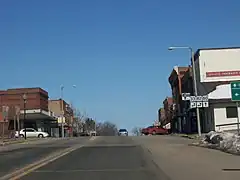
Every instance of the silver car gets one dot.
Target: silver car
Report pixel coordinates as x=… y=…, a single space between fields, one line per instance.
x=122 y=132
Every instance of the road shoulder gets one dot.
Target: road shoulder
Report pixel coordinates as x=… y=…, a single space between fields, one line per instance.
x=178 y=160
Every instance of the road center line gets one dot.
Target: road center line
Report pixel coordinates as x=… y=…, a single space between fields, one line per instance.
x=28 y=169
x=89 y=170
x=16 y=175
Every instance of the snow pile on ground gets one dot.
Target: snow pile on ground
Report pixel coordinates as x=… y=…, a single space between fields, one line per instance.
x=225 y=141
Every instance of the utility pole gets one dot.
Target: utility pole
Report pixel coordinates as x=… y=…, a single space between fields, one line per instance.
x=14 y=125
x=5 y=119
x=18 y=122
x=62 y=109
x=195 y=90
x=95 y=127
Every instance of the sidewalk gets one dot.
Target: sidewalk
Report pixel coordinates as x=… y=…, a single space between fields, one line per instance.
x=23 y=143
x=16 y=140
x=183 y=162
x=189 y=136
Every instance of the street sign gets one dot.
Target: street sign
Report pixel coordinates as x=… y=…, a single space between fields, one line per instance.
x=5 y=113
x=198 y=98
x=205 y=98
x=205 y=104
x=193 y=98
x=185 y=96
x=193 y=105
x=199 y=101
x=199 y=104
x=235 y=93
x=235 y=90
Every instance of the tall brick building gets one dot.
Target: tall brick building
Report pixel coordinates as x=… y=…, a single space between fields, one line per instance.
x=175 y=80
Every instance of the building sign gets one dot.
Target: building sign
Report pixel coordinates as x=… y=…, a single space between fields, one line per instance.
x=222 y=73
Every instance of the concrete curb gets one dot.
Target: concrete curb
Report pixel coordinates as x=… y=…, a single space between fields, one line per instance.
x=215 y=147
x=186 y=136
x=17 y=141
x=23 y=141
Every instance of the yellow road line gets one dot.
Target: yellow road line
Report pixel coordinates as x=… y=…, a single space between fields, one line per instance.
x=30 y=168
x=36 y=165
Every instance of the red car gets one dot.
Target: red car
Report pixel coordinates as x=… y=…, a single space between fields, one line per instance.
x=153 y=130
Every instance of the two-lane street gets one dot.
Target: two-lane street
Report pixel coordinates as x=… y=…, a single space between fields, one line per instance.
x=118 y=158
x=105 y=158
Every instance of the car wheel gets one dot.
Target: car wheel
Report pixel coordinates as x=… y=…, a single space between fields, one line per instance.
x=21 y=136
x=154 y=133
x=40 y=136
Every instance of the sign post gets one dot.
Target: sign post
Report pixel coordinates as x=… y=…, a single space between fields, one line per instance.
x=235 y=95
x=5 y=119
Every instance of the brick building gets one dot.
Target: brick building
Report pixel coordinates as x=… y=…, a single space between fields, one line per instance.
x=161 y=115
x=58 y=106
x=167 y=105
x=37 y=115
x=189 y=115
x=175 y=79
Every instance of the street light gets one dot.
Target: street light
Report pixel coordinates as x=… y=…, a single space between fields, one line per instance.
x=24 y=115
x=62 y=108
x=194 y=80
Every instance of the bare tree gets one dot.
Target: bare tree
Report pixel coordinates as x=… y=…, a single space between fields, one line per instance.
x=106 y=129
x=136 y=131
x=89 y=125
x=78 y=121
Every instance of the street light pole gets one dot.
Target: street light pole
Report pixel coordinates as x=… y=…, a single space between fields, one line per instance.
x=62 y=108
x=62 y=111
x=72 y=108
x=194 y=81
x=24 y=115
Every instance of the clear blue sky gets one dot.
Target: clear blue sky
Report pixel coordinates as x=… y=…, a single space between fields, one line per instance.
x=115 y=51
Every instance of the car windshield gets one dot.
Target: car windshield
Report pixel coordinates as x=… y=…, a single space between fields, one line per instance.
x=122 y=130
x=150 y=127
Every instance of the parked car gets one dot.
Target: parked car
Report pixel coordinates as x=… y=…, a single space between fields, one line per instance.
x=153 y=130
x=122 y=132
x=30 y=132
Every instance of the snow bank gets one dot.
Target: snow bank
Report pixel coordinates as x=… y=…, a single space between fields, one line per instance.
x=225 y=141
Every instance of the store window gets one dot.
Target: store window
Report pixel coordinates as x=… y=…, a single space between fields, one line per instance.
x=231 y=112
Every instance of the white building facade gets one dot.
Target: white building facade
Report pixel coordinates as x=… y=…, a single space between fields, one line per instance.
x=215 y=69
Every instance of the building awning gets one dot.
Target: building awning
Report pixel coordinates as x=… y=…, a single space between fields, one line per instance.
x=38 y=114
x=221 y=92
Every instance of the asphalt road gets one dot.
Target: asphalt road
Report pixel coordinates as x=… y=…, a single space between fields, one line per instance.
x=106 y=158
x=18 y=156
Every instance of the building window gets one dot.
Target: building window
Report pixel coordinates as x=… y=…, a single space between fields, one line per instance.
x=231 y=112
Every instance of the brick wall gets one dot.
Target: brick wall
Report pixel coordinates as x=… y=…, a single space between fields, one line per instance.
x=37 y=98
